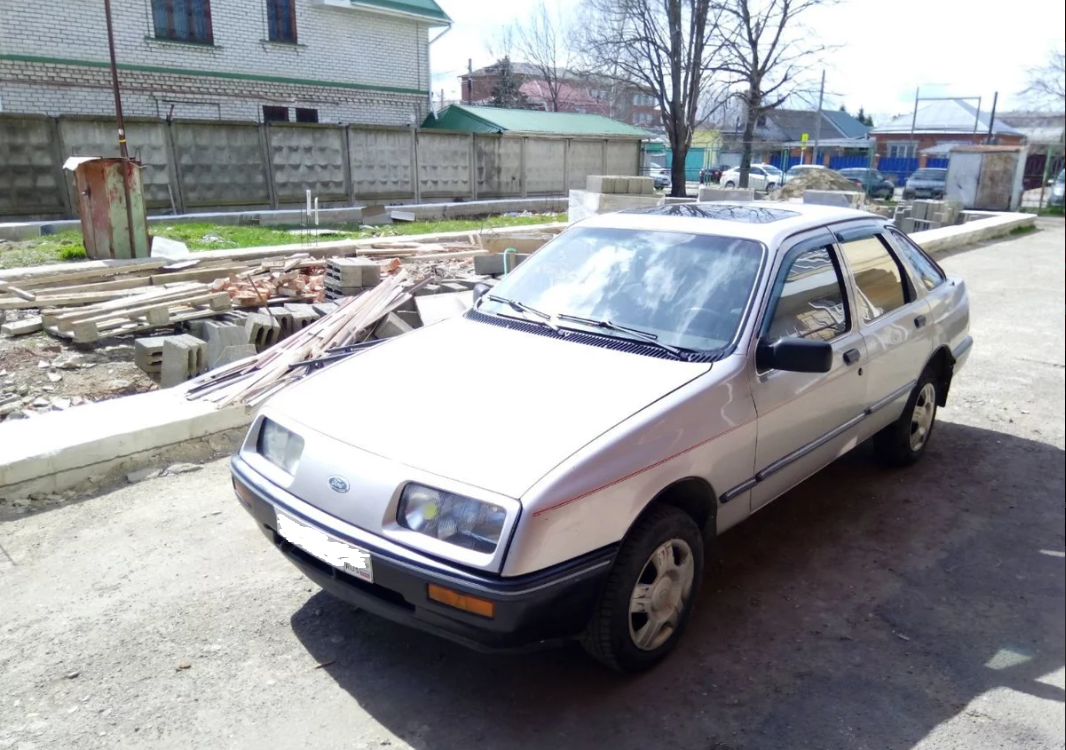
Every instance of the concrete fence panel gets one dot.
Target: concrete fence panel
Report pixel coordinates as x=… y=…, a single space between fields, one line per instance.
x=307 y=157
x=623 y=157
x=381 y=163
x=146 y=141
x=545 y=166
x=443 y=164
x=31 y=179
x=586 y=157
x=498 y=161
x=221 y=164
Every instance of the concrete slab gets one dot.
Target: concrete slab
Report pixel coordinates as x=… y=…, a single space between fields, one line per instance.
x=437 y=307
x=945 y=239
x=709 y=194
x=841 y=198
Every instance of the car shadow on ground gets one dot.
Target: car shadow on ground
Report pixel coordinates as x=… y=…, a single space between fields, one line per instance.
x=861 y=610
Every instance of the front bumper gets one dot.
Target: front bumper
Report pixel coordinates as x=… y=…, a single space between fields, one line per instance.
x=550 y=605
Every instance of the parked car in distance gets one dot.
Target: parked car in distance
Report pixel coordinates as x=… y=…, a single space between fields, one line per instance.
x=797 y=170
x=652 y=417
x=930 y=182
x=873 y=183
x=764 y=177
x=661 y=176
x=1058 y=190
x=712 y=175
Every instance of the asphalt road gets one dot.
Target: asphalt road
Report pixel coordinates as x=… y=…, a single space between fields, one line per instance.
x=867 y=609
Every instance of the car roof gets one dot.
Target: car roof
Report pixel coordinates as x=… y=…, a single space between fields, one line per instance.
x=769 y=222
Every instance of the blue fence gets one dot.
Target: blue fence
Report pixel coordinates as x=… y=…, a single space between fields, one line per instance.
x=897 y=168
x=937 y=163
x=861 y=161
x=779 y=161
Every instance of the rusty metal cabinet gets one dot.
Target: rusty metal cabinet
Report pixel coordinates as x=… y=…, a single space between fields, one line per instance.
x=101 y=198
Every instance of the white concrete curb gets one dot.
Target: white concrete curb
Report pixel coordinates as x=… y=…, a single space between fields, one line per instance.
x=54 y=452
x=989 y=227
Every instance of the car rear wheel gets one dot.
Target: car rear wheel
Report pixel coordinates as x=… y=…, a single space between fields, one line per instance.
x=904 y=441
x=649 y=593
x=730 y=185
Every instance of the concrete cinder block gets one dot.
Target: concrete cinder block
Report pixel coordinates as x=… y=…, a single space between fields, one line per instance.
x=302 y=315
x=148 y=353
x=353 y=272
x=184 y=357
x=640 y=186
x=410 y=317
x=494 y=264
x=232 y=354
x=391 y=325
x=219 y=337
x=263 y=331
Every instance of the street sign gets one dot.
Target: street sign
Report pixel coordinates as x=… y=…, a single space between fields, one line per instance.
x=803 y=138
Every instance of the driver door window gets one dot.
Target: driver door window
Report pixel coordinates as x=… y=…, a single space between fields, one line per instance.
x=811 y=303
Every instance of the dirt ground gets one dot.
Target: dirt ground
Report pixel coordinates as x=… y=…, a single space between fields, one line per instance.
x=47 y=374
x=867 y=609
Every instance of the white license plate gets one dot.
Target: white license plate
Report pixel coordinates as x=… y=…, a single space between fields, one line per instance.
x=340 y=555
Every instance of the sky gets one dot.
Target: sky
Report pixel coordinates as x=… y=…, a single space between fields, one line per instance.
x=883 y=51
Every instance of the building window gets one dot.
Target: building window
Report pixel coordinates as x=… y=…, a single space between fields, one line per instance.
x=281 y=21
x=305 y=114
x=183 y=20
x=901 y=150
x=643 y=100
x=275 y=114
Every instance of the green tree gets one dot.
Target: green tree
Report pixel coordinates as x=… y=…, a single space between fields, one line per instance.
x=507 y=92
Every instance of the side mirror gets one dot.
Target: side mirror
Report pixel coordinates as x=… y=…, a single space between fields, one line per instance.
x=480 y=290
x=794 y=355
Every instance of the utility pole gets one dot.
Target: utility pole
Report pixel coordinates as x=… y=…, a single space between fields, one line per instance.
x=992 y=118
x=120 y=122
x=914 y=117
x=469 y=80
x=818 y=120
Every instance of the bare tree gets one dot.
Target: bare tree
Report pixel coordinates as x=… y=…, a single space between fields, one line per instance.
x=666 y=49
x=1047 y=83
x=542 y=41
x=767 y=54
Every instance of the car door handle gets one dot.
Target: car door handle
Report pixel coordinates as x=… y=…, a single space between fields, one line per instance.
x=919 y=321
x=851 y=356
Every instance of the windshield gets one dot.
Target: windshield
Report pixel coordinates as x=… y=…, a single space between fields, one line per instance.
x=688 y=290
x=1062 y=176
x=771 y=170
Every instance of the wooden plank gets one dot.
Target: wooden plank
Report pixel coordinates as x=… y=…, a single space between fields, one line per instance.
x=200 y=274
x=96 y=286
x=214 y=298
x=7 y=286
x=69 y=300
x=52 y=274
x=153 y=296
x=22 y=327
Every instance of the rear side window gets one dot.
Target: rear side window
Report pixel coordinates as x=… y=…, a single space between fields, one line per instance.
x=878 y=277
x=811 y=302
x=928 y=272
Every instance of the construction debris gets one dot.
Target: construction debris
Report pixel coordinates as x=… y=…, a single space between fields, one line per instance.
x=252 y=381
x=813 y=179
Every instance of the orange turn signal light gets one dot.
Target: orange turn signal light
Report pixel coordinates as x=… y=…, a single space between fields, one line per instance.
x=465 y=602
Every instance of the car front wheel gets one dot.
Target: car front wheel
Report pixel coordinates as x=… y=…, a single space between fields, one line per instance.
x=649 y=593
x=730 y=184
x=904 y=441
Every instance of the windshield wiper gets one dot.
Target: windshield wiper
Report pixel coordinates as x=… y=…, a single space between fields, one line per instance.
x=636 y=333
x=522 y=307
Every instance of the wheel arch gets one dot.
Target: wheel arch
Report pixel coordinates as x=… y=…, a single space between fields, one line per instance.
x=942 y=363
x=693 y=496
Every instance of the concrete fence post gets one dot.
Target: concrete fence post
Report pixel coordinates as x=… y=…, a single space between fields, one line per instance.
x=603 y=157
x=63 y=181
x=523 y=165
x=417 y=177
x=349 y=183
x=473 y=166
x=566 y=167
x=173 y=174
x=268 y=162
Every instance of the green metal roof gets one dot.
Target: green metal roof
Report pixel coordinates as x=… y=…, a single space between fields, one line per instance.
x=426 y=8
x=493 y=120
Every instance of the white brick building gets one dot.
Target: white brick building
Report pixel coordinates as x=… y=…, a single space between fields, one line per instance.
x=337 y=61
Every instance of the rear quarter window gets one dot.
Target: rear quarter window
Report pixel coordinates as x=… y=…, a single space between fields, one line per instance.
x=928 y=273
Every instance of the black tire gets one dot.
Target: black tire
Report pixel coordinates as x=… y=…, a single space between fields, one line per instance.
x=771 y=187
x=610 y=635
x=897 y=445
x=730 y=185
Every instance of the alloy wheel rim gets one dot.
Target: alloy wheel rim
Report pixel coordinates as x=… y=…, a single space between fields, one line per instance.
x=660 y=595
x=922 y=416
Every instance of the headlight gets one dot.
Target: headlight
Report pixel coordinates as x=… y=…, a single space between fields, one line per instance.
x=280 y=446
x=455 y=519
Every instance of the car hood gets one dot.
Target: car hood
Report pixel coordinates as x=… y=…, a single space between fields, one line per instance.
x=486 y=405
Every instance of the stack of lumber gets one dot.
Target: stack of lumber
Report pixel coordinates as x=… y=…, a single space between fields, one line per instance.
x=152 y=308
x=253 y=380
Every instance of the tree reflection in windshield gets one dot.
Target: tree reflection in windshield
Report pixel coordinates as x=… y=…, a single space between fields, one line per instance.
x=690 y=290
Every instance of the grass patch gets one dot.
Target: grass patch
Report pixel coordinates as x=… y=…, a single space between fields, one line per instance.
x=1022 y=230
x=67 y=246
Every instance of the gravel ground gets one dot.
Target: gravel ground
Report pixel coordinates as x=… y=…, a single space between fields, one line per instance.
x=867 y=609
